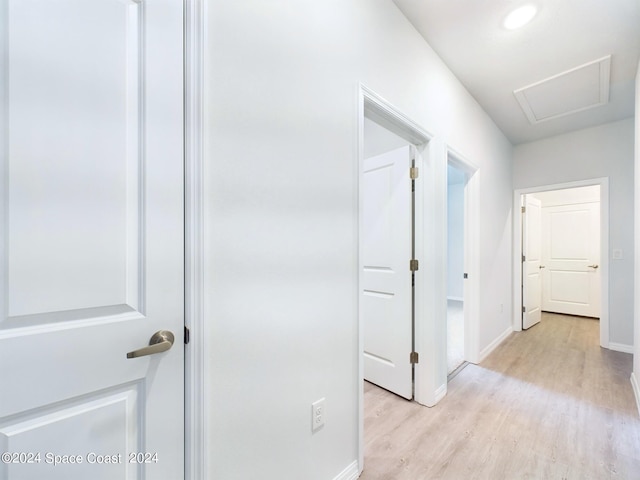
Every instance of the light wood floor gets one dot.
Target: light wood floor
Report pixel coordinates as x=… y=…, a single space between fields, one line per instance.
x=548 y=403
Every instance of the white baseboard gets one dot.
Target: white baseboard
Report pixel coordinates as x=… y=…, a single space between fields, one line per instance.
x=441 y=392
x=349 y=473
x=493 y=345
x=621 y=347
x=636 y=389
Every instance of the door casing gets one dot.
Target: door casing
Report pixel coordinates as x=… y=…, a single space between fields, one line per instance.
x=194 y=375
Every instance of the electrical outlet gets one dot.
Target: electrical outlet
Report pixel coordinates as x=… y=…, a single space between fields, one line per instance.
x=317 y=414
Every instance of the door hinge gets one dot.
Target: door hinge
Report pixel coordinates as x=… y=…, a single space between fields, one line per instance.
x=413 y=265
x=524 y=209
x=465 y=275
x=413 y=358
x=524 y=310
x=523 y=258
x=413 y=173
x=187 y=336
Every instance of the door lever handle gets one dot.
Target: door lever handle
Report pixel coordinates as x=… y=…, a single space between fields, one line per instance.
x=161 y=341
x=592 y=266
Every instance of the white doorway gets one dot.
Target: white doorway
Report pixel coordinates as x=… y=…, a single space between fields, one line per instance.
x=561 y=253
x=572 y=263
x=383 y=129
x=462 y=262
x=456 y=181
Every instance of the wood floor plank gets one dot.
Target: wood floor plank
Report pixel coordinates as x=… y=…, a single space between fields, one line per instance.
x=548 y=403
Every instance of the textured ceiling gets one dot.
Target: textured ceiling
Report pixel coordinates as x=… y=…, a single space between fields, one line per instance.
x=493 y=62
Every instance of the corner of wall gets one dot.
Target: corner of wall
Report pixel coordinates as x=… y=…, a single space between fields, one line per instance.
x=493 y=345
x=636 y=389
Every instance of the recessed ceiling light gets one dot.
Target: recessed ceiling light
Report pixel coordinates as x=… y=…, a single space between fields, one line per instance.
x=520 y=17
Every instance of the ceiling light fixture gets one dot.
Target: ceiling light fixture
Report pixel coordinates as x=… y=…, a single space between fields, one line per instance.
x=520 y=17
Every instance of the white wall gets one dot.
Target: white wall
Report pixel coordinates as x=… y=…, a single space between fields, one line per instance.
x=281 y=179
x=604 y=151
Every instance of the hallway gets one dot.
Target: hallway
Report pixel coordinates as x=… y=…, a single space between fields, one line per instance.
x=549 y=403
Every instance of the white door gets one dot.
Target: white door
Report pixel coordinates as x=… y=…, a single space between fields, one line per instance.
x=387 y=291
x=571 y=255
x=531 y=265
x=92 y=240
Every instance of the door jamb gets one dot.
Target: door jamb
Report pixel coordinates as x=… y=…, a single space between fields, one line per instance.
x=376 y=108
x=603 y=182
x=195 y=394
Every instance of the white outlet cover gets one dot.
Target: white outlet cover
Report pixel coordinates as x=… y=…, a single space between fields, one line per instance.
x=317 y=414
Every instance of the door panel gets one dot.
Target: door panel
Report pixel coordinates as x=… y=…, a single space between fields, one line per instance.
x=386 y=296
x=71 y=123
x=92 y=251
x=65 y=427
x=568 y=287
x=531 y=276
x=571 y=251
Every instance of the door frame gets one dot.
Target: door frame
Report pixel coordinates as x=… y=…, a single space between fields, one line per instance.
x=471 y=295
x=195 y=394
x=603 y=182
x=376 y=108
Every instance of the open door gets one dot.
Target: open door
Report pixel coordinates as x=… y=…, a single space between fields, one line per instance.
x=531 y=261
x=387 y=279
x=91 y=252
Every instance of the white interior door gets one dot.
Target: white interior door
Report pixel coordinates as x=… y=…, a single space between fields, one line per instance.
x=571 y=255
x=387 y=291
x=92 y=244
x=531 y=265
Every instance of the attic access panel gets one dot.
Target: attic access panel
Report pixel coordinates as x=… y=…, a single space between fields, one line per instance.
x=572 y=91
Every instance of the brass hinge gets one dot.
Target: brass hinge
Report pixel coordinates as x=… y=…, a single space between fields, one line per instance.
x=413 y=358
x=413 y=265
x=187 y=336
x=524 y=209
x=413 y=173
